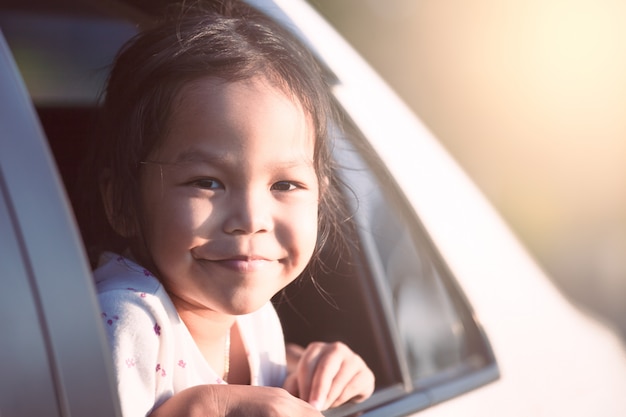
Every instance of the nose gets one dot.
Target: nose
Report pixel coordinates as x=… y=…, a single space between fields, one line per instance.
x=249 y=212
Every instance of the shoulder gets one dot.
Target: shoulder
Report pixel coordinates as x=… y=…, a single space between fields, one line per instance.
x=116 y=272
x=131 y=297
x=139 y=321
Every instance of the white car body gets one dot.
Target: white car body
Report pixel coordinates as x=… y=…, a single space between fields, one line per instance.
x=554 y=359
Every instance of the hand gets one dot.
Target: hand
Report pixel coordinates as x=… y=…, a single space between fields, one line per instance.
x=327 y=375
x=234 y=401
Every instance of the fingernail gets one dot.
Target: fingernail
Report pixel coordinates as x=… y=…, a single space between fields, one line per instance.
x=317 y=404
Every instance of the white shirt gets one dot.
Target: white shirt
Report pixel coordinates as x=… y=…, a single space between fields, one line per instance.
x=154 y=354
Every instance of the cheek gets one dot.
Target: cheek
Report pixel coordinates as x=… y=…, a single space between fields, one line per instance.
x=303 y=226
x=170 y=221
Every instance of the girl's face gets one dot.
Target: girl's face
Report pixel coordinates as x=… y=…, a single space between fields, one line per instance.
x=230 y=197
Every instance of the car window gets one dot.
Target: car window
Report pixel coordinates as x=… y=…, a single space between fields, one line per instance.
x=63 y=59
x=418 y=319
x=410 y=284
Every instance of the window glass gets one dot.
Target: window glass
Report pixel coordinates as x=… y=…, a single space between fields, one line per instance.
x=434 y=329
x=63 y=59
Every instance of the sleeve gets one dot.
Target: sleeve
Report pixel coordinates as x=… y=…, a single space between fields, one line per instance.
x=135 y=324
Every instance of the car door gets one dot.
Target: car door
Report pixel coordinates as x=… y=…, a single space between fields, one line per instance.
x=54 y=357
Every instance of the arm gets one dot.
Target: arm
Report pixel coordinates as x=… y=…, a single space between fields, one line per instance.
x=327 y=375
x=234 y=401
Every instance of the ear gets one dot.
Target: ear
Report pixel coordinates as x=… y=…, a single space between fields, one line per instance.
x=120 y=225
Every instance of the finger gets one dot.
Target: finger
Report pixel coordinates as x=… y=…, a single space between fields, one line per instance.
x=306 y=368
x=353 y=381
x=343 y=379
x=357 y=389
x=293 y=353
x=291 y=384
x=329 y=366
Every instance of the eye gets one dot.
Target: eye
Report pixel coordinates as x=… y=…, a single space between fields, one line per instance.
x=207 y=184
x=284 y=186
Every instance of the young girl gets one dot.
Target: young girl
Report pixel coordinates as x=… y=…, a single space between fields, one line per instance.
x=214 y=172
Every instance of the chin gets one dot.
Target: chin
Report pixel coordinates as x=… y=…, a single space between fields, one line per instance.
x=243 y=308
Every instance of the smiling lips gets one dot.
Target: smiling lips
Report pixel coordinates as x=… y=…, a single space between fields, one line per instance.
x=244 y=264
x=238 y=260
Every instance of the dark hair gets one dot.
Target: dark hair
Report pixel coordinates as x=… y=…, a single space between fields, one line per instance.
x=224 y=39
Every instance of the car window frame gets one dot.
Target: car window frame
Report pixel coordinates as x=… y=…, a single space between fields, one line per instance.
x=59 y=282
x=408 y=395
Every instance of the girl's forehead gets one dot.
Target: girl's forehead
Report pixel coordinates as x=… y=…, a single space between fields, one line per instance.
x=214 y=113
x=244 y=94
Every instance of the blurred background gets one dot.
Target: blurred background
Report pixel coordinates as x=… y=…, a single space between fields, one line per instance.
x=529 y=96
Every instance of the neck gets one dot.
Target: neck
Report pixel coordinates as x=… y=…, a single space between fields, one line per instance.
x=211 y=333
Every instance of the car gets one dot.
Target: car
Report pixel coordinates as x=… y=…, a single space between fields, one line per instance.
x=434 y=292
